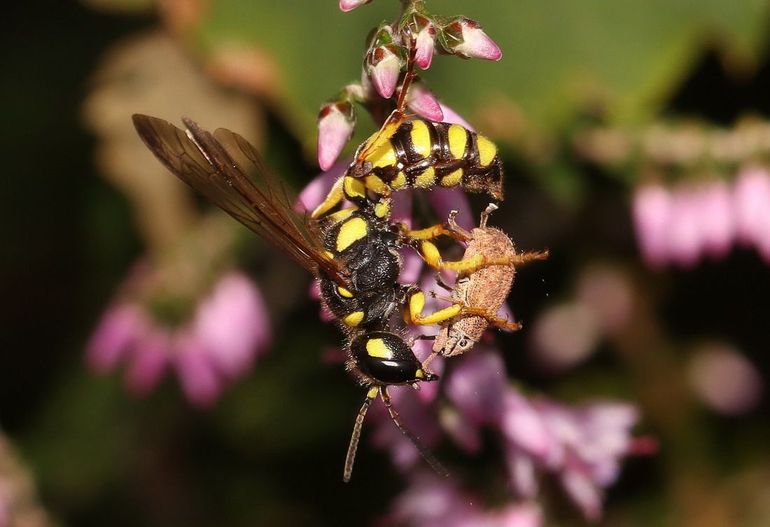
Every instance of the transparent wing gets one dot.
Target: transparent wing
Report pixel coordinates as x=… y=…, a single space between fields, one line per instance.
x=212 y=165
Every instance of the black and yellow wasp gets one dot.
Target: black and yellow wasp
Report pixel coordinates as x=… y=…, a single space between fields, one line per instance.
x=353 y=255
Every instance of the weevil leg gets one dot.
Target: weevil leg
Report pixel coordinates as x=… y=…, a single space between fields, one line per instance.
x=485 y=215
x=530 y=256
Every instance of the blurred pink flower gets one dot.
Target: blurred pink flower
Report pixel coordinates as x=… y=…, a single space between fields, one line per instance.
x=652 y=206
x=565 y=335
x=433 y=502
x=717 y=221
x=583 y=445
x=228 y=329
x=724 y=379
x=752 y=208
x=349 y=5
x=476 y=387
x=335 y=126
x=684 y=233
x=467 y=39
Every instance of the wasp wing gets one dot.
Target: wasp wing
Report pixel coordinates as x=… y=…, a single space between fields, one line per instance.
x=198 y=158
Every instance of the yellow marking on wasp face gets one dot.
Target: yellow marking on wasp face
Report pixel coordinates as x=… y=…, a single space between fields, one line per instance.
x=344 y=292
x=354 y=188
x=354 y=318
x=421 y=138
x=458 y=140
x=453 y=178
x=487 y=150
x=375 y=184
x=398 y=181
x=341 y=214
x=351 y=231
x=378 y=348
x=427 y=179
x=419 y=374
x=372 y=393
x=382 y=208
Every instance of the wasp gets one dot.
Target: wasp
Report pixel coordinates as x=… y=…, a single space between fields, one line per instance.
x=411 y=152
x=478 y=292
x=352 y=253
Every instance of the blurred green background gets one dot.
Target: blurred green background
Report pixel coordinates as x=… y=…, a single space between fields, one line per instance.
x=270 y=452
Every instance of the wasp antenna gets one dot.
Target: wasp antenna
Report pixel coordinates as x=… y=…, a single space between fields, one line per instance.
x=408 y=76
x=426 y=454
x=350 y=458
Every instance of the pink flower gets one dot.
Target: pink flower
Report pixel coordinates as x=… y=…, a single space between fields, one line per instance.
x=335 y=126
x=218 y=344
x=476 y=387
x=424 y=103
x=582 y=445
x=349 y=5
x=425 y=44
x=718 y=218
x=433 y=502
x=685 y=233
x=652 y=212
x=383 y=66
x=466 y=39
x=752 y=209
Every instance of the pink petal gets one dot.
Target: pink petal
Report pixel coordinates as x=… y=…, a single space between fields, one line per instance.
x=525 y=515
x=315 y=191
x=424 y=103
x=565 y=335
x=652 y=212
x=717 y=218
x=464 y=433
x=425 y=44
x=685 y=238
x=121 y=325
x=334 y=130
x=476 y=386
x=349 y=5
x=232 y=324
x=752 y=206
x=475 y=43
x=197 y=374
x=521 y=470
x=384 y=69
x=522 y=424
x=452 y=117
x=148 y=361
x=583 y=493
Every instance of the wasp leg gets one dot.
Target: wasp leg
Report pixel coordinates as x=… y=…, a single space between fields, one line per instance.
x=486 y=214
x=332 y=199
x=417 y=304
x=421 y=448
x=443 y=285
x=354 y=438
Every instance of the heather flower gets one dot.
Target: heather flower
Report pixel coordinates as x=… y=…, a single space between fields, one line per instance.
x=466 y=38
x=424 y=103
x=425 y=38
x=336 y=122
x=383 y=67
x=717 y=218
x=433 y=502
x=752 y=209
x=217 y=344
x=685 y=239
x=583 y=445
x=349 y=5
x=652 y=206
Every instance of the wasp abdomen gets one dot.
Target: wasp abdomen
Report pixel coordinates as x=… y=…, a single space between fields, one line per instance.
x=424 y=154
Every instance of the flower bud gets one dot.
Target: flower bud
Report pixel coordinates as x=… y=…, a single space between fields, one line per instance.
x=423 y=102
x=383 y=66
x=349 y=5
x=424 y=31
x=336 y=121
x=464 y=37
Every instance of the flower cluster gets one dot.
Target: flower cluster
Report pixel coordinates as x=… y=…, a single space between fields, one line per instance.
x=384 y=61
x=218 y=343
x=681 y=225
x=582 y=446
